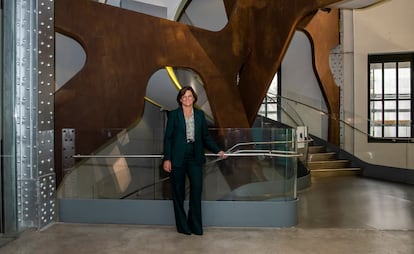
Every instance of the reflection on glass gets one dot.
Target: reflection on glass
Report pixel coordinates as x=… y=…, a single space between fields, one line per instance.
x=262 y=165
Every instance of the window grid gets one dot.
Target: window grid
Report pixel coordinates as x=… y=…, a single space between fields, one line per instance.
x=390 y=97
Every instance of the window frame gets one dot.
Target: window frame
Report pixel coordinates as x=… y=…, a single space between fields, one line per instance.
x=383 y=59
x=266 y=103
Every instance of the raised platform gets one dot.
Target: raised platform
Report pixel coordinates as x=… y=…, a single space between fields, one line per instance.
x=274 y=213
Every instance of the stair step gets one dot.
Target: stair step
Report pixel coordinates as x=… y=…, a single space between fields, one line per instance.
x=321 y=156
x=335 y=169
x=336 y=172
x=327 y=164
x=316 y=149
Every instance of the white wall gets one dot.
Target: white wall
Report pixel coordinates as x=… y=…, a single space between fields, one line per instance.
x=347 y=85
x=383 y=28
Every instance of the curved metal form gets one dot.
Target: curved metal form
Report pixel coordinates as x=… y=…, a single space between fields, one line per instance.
x=246 y=56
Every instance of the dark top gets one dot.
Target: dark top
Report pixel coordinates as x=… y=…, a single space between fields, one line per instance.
x=175 y=138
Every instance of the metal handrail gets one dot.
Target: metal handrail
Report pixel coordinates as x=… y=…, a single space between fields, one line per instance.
x=238 y=153
x=350 y=125
x=276 y=99
x=259 y=143
x=269 y=153
x=119 y=156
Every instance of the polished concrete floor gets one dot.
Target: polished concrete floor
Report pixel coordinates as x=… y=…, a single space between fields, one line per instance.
x=341 y=214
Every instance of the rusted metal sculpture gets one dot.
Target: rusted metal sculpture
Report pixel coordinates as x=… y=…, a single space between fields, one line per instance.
x=124 y=48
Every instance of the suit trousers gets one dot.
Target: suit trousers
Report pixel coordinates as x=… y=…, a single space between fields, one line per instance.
x=193 y=169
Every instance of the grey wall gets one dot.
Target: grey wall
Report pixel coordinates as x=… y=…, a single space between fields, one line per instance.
x=299 y=83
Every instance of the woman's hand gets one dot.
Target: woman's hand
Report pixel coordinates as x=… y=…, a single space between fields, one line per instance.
x=166 y=165
x=222 y=155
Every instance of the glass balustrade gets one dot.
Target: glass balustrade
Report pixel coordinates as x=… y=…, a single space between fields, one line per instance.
x=384 y=145
x=261 y=164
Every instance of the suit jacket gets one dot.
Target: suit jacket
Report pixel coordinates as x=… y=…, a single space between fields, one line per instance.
x=175 y=138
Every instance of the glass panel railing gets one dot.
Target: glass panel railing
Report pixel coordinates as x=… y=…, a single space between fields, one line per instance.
x=261 y=164
x=294 y=113
x=277 y=111
x=276 y=108
x=368 y=140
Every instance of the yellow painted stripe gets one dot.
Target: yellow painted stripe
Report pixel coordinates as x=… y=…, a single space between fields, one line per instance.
x=178 y=86
x=173 y=78
x=153 y=102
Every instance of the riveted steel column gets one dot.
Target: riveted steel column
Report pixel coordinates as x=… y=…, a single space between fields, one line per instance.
x=46 y=88
x=34 y=112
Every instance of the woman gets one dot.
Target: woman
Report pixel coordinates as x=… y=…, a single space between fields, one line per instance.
x=186 y=135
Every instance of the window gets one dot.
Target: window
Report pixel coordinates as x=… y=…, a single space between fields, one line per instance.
x=390 y=96
x=271 y=103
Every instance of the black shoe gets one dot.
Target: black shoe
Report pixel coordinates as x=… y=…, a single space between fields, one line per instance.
x=185 y=232
x=197 y=233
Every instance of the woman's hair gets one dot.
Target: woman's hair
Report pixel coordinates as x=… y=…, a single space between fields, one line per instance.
x=183 y=91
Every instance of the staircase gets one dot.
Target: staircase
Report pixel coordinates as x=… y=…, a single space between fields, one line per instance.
x=323 y=163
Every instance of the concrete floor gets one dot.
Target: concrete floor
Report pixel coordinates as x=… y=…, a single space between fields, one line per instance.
x=345 y=214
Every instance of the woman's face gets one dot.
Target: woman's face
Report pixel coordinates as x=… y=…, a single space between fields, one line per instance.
x=187 y=99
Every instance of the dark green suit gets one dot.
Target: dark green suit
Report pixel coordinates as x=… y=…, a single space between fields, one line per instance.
x=187 y=159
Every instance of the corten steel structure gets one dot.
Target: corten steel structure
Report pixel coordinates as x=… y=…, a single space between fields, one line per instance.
x=236 y=64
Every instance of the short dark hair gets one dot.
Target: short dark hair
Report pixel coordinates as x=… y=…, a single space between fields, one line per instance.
x=183 y=91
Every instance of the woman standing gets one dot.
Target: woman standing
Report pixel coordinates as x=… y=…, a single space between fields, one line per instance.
x=186 y=136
